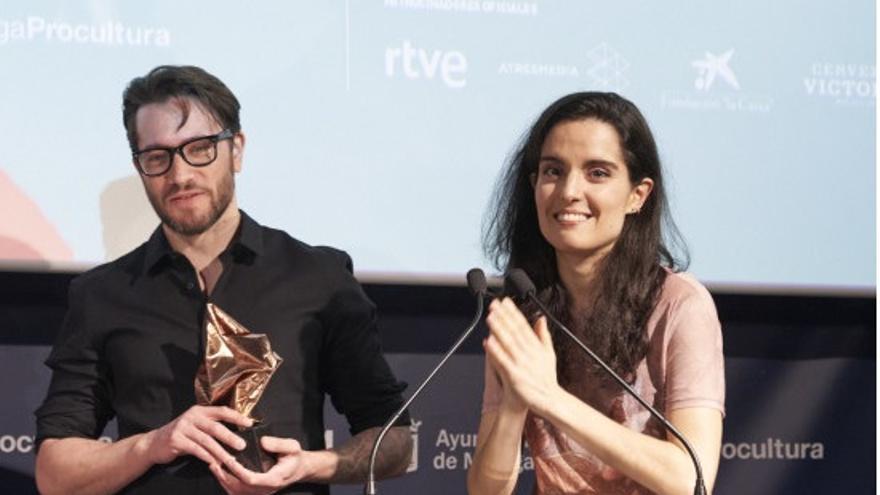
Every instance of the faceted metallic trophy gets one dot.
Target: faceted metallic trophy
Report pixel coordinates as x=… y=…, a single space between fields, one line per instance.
x=238 y=365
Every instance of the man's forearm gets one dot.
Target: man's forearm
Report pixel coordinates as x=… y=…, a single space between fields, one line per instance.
x=350 y=461
x=85 y=466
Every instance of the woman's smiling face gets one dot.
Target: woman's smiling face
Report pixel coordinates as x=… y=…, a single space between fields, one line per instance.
x=583 y=190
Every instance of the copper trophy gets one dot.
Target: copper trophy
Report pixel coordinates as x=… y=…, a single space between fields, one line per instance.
x=237 y=367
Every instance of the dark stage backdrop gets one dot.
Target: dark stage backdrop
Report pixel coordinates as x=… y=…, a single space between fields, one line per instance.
x=801 y=387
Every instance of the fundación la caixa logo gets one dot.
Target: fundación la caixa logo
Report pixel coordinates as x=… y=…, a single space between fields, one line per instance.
x=427 y=65
x=716 y=87
x=712 y=67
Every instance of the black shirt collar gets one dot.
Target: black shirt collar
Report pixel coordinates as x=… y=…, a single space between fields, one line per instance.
x=246 y=244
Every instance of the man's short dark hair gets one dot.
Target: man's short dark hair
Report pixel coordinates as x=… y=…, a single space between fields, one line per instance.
x=179 y=82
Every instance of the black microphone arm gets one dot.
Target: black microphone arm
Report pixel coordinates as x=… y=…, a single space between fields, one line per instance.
x=476 y=280
x=525 y=289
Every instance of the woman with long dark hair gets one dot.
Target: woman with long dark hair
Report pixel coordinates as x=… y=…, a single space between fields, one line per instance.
x=582 y=209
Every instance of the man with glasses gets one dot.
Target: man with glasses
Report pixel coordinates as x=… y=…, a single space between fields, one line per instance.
x=133 y=338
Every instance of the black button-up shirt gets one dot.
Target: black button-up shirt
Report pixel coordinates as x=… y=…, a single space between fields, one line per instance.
x=133 y=339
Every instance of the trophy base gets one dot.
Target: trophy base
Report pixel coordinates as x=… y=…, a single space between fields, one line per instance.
x=253 y=456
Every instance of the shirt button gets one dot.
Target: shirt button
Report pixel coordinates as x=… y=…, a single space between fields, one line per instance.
x=190 y=285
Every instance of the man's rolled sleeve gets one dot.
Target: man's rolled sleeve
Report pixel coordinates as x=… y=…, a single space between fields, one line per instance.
x=355 y=374
x=77 y=404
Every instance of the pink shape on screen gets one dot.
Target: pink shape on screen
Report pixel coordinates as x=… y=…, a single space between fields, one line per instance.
x=25 y=232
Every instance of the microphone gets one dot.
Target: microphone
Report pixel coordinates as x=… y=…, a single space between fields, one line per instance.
x=519 y=283
x=476 y=281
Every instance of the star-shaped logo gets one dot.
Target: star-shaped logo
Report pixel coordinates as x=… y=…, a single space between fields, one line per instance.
x=607 y=68
x=712 y=66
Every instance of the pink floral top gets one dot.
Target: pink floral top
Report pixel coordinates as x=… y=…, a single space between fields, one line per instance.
x=684 y=368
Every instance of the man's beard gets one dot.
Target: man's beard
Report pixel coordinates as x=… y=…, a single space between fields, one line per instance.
x=190 y=225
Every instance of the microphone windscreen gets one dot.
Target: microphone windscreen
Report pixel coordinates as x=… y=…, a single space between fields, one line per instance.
x=476 y=281
x=519 y=283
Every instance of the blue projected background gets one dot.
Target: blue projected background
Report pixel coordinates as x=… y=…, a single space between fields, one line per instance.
x=380 y=127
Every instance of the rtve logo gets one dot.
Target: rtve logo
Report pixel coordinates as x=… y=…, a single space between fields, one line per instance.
x=426 y=64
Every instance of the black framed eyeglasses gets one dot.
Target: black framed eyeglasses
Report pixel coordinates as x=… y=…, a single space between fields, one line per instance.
x=198 y=152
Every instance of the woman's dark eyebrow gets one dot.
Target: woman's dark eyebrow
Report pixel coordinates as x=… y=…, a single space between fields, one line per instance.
x=549 y=158
x=596 y=162
x=602 y=163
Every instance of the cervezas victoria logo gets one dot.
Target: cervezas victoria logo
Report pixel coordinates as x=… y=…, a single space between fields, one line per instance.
x=716 y=87
x=846 y=84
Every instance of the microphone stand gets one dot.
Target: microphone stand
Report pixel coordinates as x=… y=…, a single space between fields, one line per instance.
x=370 y=487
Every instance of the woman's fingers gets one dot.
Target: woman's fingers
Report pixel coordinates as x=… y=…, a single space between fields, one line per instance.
x=542 y=330
x=507 y=323
x=498 y=356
